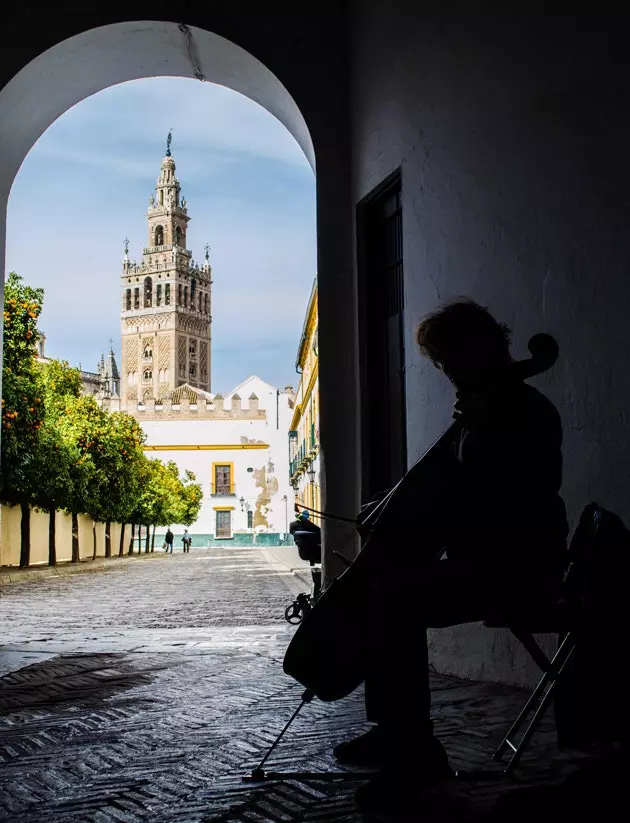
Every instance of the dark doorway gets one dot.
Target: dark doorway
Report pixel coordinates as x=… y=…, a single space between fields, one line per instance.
x=381 y=338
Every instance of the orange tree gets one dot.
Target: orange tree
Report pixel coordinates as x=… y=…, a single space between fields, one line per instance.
x=190 y=498
x=22 y=406
x=164 y=498
x=107 y=468
x=61 y=480
x=60 y=451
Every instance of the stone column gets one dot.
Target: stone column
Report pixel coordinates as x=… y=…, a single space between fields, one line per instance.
x=338 y=347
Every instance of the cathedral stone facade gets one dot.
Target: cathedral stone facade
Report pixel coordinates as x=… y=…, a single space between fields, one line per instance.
x=166 y=304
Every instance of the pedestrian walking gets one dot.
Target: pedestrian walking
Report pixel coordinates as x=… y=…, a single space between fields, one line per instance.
x=168 y=539
x=186 y=541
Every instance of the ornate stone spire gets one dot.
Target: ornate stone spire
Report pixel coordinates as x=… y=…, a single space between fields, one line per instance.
x=165 y=306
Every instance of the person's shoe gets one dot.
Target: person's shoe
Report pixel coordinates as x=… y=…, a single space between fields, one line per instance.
x=365 y=750
x=398 y=786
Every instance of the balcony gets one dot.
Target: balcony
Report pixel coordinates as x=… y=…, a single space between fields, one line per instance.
x=153 y=249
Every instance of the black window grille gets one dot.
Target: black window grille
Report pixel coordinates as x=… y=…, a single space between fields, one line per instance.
x=222 y=479
x=224 y=524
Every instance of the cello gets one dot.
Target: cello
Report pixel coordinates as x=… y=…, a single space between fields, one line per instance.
x=329 y=651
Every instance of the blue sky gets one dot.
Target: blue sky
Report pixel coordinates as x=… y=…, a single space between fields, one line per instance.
x=85 y=185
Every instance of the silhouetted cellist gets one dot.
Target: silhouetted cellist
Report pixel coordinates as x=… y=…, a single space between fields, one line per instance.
x=494 y=542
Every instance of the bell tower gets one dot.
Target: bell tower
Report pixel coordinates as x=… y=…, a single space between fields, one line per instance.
x=166 y=303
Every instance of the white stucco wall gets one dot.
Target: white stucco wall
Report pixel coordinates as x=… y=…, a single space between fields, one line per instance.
x=269 y=466
x=511 y=144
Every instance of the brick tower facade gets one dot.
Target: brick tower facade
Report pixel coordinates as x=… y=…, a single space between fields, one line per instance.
x=166 y=303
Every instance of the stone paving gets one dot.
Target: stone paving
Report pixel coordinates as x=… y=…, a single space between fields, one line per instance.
x=148 y=691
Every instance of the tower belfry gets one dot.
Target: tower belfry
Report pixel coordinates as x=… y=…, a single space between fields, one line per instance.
x=166 y=302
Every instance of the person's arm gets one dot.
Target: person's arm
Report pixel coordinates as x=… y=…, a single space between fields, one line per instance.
x=513 y=443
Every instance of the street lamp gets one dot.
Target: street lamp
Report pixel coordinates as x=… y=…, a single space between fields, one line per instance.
x=242 y=502
x=311 y=474
x=285 y=500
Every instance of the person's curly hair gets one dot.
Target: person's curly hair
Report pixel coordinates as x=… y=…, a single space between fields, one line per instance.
x=452 y=325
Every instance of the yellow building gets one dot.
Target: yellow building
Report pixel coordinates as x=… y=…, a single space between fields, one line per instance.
x=304 y=431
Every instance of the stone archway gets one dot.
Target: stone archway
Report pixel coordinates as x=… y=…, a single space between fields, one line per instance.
x=89 y=62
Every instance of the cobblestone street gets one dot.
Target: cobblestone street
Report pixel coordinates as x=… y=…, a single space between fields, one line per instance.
x=146 y=693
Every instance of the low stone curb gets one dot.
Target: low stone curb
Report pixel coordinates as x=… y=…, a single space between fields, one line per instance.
x=302 y=571
x=14 y=575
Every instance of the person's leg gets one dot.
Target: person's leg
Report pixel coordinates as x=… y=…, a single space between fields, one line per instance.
x=400 y=697
x=366 y=749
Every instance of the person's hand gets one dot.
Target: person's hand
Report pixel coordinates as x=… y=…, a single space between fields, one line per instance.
x=473 y=409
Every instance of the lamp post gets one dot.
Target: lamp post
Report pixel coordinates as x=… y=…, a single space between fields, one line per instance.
x=311 y=476
x=286 y=513
x=242 y=502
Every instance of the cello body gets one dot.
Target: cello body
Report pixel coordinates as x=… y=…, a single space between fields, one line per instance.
x=329 y=653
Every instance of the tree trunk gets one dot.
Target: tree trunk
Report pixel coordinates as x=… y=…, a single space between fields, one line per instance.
x=147 y=543
x=121 y=547
x=76 y=556
x=139 y=539
x=153 y=540
x=133 y=532
x=93 y=540
x=108 y=539
x=25 y=535
x=52 y=538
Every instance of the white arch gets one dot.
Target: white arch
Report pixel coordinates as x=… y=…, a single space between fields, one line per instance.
x=94 y=60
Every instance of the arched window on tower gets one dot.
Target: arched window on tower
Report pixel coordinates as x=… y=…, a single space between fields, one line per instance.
x=193 y=287
x=167 y=294
x=148 y=352
x=192 y=349
x=206 y=303
x=148 y=292
x=185 y=297
x=200 y=301
x=136 y=298
x=147 y=376
x=161 y=197
x=179 y=294
x=158 y=295
x=128 y=300
x=178 y=235
x=159 y=234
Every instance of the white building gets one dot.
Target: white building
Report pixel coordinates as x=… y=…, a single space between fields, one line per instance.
x=237 y=450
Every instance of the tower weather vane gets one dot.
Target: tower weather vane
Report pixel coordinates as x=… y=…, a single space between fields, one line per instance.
x=168 y=142
x=126 y=242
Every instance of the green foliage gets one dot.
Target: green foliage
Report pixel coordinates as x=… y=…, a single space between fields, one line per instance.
x=22 y=307
x=59 y=380
x=61 y=451
x=191 y=497
x=22 y=405
x=165 y=498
